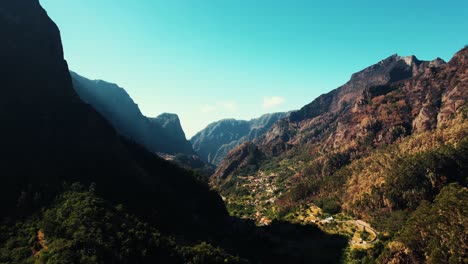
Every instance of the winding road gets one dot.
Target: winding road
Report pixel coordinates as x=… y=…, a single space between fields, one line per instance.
x=366 y=227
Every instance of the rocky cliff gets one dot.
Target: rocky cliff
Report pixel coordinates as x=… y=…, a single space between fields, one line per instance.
x=394 y=98
x=215 y=141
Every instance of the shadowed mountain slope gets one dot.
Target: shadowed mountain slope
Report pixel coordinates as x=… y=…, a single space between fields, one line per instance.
x=162 y=134
x=50 y=136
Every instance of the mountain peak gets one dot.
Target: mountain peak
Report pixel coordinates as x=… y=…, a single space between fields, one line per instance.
x=409 y=60
x=169 y=117
x=171 y=123
x=393 y=66
x=390 y=70
x=162 y=134
x=436 y=62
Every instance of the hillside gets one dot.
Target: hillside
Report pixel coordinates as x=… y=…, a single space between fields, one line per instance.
x=215 y=141
x=80 y=227
x=382 y=148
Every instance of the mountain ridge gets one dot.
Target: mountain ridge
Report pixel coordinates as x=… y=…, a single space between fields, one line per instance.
x=387 y=148
x=161 y=134
x=368 y=84
x=218 y=138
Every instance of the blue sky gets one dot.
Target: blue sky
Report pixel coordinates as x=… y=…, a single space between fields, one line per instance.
x=211 y=59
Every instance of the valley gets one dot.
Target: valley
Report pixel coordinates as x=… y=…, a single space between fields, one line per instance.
x=373 y=171
x=366 y=187
x=258 y=195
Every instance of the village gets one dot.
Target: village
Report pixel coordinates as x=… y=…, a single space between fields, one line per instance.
x=263 y=192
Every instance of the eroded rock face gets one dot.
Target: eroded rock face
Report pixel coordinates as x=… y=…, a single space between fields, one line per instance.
x=455 y=79
x=395 y=97
x=215 y=141
x=323 y=114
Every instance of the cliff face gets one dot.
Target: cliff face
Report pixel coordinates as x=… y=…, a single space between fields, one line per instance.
x=208 y=141
x=396 y=97
x=215 y=141
x=162 y=134
x=50 y=136
x=171 y=123
x=170 y=135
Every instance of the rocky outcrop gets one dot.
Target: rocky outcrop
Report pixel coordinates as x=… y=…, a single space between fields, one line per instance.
x=393 y=98
x=315 y=120
x=166 y=135
x=171 y=123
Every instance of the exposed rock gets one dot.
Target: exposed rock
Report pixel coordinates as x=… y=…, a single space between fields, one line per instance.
x=393 y=98
x=215 y=141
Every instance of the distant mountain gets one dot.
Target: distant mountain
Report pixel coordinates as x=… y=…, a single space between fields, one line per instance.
x=162 y=134
x=215 y=141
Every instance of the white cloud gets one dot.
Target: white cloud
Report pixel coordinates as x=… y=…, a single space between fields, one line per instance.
x=221 y=106
x=269 y=102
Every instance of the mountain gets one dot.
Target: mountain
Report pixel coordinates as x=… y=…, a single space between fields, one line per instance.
x=51 y=136
x=215 y=141
x=246 y=155
x=75 y=191
x=377 y=103
x=388 y=101
x=376 y=107
x=162 y=134
x=381 y=154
